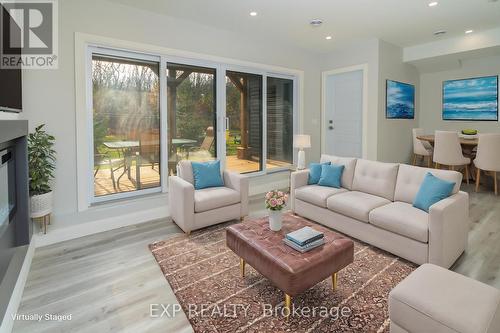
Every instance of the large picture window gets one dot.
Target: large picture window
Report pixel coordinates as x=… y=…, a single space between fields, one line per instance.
x=126 y=124
x=148 y=111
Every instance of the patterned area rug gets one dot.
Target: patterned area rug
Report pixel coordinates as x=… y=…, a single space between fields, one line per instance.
x=205 y=276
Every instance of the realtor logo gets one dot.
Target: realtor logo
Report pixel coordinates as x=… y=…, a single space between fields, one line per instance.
x=28 y=34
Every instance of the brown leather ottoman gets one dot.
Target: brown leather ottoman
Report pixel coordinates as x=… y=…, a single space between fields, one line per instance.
x=291 y=271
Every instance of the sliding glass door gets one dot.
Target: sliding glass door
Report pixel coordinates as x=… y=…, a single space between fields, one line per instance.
x=147 y=112
x=192 y=127
x=244 y=125
x=280 y=131
x=126 y=124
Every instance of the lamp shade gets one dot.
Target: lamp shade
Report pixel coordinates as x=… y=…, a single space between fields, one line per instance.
x=302 y=141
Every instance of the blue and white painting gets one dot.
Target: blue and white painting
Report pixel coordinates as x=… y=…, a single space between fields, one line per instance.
x=471 y=99
x=400 y=100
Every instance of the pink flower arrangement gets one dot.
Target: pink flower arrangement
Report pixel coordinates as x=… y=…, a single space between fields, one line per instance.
x=276 y=200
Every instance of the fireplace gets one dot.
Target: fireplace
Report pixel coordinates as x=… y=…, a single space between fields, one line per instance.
x=7 y=188
x=15 y=226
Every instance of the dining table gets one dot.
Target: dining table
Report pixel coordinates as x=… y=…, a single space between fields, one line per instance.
x=126 y=148
x=469 y=143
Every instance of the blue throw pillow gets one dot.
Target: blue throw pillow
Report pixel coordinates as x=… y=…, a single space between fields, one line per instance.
x=330 y=175
x=315 y=172
x=432 y=190
x=206 y=174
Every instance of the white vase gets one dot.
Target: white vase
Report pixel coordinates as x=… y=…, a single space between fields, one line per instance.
x=275 y=220
x=41 y=205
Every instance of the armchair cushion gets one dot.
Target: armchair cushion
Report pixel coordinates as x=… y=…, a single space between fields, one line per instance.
x=206 y=174
x=214 y=197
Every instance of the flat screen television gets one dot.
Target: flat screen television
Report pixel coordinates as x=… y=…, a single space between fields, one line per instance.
x=10 y=79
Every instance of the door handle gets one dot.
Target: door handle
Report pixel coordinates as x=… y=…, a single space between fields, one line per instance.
x=227 y=124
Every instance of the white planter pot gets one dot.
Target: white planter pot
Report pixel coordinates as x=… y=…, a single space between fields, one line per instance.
x=41 y=205
x=275 y=220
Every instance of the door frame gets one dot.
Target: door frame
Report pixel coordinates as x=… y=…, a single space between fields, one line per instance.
x=364 y=116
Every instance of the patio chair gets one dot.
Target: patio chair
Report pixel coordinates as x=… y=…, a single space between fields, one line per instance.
x=149 y=148
x=202 y=152
x=105 y=160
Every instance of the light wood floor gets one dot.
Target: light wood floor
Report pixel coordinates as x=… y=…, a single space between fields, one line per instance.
x=108 y=281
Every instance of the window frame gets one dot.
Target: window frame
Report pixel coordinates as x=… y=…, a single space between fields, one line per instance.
x=106 y=46
x=93 y=199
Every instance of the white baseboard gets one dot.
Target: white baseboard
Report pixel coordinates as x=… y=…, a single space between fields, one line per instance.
x=97 y=226
x=17 y=294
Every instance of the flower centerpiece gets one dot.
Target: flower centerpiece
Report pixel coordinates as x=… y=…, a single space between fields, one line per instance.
x=275 y=203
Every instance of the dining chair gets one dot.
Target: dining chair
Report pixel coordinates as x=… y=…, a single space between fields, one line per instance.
x=448 y=151
x=488 y=157
x=421 y=148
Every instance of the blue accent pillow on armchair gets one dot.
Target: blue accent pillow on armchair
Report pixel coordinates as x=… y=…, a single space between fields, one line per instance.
x=315 y=172
x=206 y=174
x=432 y=190
x=331 y=175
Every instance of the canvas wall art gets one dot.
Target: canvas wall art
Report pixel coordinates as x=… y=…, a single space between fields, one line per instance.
x=400 y=100
x=471 y=99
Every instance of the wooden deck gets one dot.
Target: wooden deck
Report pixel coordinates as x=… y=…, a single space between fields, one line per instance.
x=103 y=185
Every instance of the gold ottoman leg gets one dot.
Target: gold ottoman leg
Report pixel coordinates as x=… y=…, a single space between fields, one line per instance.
x=288 y=305
x=334 y=281
x=242 y=267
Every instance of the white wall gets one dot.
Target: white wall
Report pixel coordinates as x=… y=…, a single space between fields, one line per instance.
x=431 y=95
x=49 y=96
x=394 y=135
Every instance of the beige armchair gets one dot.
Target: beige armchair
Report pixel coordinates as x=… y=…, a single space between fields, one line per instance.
x=195 y=209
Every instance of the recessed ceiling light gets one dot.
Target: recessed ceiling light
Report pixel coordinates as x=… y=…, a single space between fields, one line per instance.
x=253 y=13
x=316 y=22
x=469 y=31
x=433 y=3
x=439 y=32
x=328 y=37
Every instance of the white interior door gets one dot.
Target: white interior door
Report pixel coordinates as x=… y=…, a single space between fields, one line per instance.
x=343 y=118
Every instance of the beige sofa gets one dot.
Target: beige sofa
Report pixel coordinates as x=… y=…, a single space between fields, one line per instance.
x=375 y=206
x=194 y=209
x=433 y=299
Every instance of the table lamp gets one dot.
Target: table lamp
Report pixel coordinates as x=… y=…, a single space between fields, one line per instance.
x=301 y=141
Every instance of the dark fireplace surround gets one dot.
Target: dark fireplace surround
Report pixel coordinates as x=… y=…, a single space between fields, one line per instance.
x=15 y=236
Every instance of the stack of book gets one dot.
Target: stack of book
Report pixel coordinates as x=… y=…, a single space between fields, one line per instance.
x=304 y=239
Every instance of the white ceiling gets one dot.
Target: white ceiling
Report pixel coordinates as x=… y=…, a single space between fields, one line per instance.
x=401 y=22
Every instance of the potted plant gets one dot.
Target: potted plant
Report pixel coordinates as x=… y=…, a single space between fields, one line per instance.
x=275 y=203
x=41 y=164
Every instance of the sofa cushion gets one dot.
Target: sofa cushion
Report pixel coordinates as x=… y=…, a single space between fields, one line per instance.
x=316 y=194
x=432 y=190
x=349 y=164
x=403 y=219
x=214 y=197
x=434 y=299
x=355 y=204
x=410 y=178
x=375 y=178
x=315 y=172
x=331 y=175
